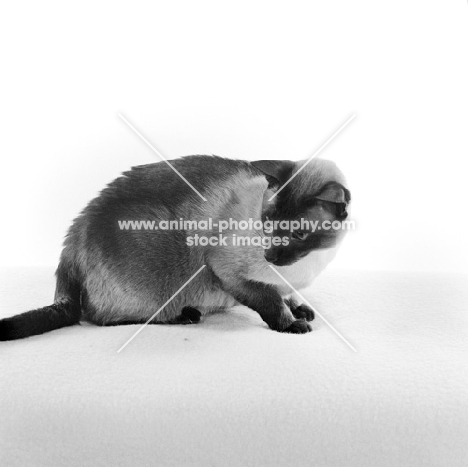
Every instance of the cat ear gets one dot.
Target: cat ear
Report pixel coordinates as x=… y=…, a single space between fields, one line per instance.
x=276 y=172
x=334 y=193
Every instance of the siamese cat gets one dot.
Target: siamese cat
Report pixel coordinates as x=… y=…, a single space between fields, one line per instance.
x=111 y=276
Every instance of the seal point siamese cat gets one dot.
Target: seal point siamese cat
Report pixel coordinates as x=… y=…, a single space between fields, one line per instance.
x=110 y=276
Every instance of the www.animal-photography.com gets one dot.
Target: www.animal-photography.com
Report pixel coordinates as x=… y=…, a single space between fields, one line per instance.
x=233 y=234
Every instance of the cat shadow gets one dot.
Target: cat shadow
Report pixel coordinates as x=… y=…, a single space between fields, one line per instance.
x=234 y=319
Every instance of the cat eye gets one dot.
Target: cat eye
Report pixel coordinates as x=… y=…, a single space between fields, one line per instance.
x=300 y=235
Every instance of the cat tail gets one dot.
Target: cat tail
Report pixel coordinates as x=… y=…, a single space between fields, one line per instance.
x=65 y=311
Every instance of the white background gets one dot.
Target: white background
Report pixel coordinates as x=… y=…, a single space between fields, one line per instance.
x=250 y=80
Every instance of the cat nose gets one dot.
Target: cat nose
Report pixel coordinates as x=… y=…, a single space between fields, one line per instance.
x=341 y=213
x=271 y=255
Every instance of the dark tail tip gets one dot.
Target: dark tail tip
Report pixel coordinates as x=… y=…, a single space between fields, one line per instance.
x=60 y=314
x=6 y=330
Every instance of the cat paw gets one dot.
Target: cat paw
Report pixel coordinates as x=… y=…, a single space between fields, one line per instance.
x=298 y=327
x=188 y=315
x=192 y=314
x=303 y=312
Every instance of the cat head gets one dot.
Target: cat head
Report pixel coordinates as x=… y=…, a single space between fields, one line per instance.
x=312 y=193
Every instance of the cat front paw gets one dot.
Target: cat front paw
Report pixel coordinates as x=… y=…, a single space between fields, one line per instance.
x=303 y=312
x=298 y=327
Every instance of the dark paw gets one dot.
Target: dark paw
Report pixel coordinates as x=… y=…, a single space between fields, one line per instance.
x=188 y=315
x=303 y=312
x=299 y=327
x=192 y=314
